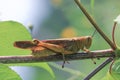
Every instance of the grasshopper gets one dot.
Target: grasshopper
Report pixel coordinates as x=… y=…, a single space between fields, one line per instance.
x=56 y=46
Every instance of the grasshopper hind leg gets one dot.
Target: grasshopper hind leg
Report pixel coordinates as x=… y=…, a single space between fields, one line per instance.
x=64 y=60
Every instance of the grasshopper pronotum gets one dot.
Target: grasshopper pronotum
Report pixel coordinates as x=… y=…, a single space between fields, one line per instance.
x=54 y=46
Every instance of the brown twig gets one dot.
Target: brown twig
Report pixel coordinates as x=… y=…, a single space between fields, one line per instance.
x=113 y=33
x=76 y=56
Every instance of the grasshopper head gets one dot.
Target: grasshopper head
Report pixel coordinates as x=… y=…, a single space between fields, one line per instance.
x=88 y=42
x=25 y=44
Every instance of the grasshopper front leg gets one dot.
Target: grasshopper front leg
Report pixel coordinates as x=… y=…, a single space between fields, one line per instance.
x=88 y=51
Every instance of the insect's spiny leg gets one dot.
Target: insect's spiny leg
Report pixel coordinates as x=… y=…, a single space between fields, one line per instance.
x=86 y=50
x=93 y=60
x=95 y=57
x=63 y=60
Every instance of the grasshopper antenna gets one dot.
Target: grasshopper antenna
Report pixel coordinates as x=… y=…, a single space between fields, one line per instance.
x=92 y=37
x=93 y=33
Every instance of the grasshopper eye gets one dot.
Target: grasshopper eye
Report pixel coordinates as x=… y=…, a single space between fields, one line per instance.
x=35 y=41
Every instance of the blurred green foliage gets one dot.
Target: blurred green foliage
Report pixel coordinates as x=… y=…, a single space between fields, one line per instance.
x=7 y=73
x=66 y=20
x=66 y=15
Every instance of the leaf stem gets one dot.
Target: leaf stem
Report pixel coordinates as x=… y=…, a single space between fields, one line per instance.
x=113 y=33
x=94 y=24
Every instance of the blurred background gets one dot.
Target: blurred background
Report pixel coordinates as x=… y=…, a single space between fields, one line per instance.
x=62 y=18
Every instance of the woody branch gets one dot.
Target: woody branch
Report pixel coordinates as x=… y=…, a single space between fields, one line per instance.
x=76 y=56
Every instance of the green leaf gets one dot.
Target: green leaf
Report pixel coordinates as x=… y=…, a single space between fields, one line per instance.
x=108 y=77
x=42 y=65
x=7 y=74
x=115 y=72
x=11 y=31
x=46 y=67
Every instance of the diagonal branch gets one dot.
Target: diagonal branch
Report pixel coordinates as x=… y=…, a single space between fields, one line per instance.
x=90 y=75
x=95 y=24
x=76 y=56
